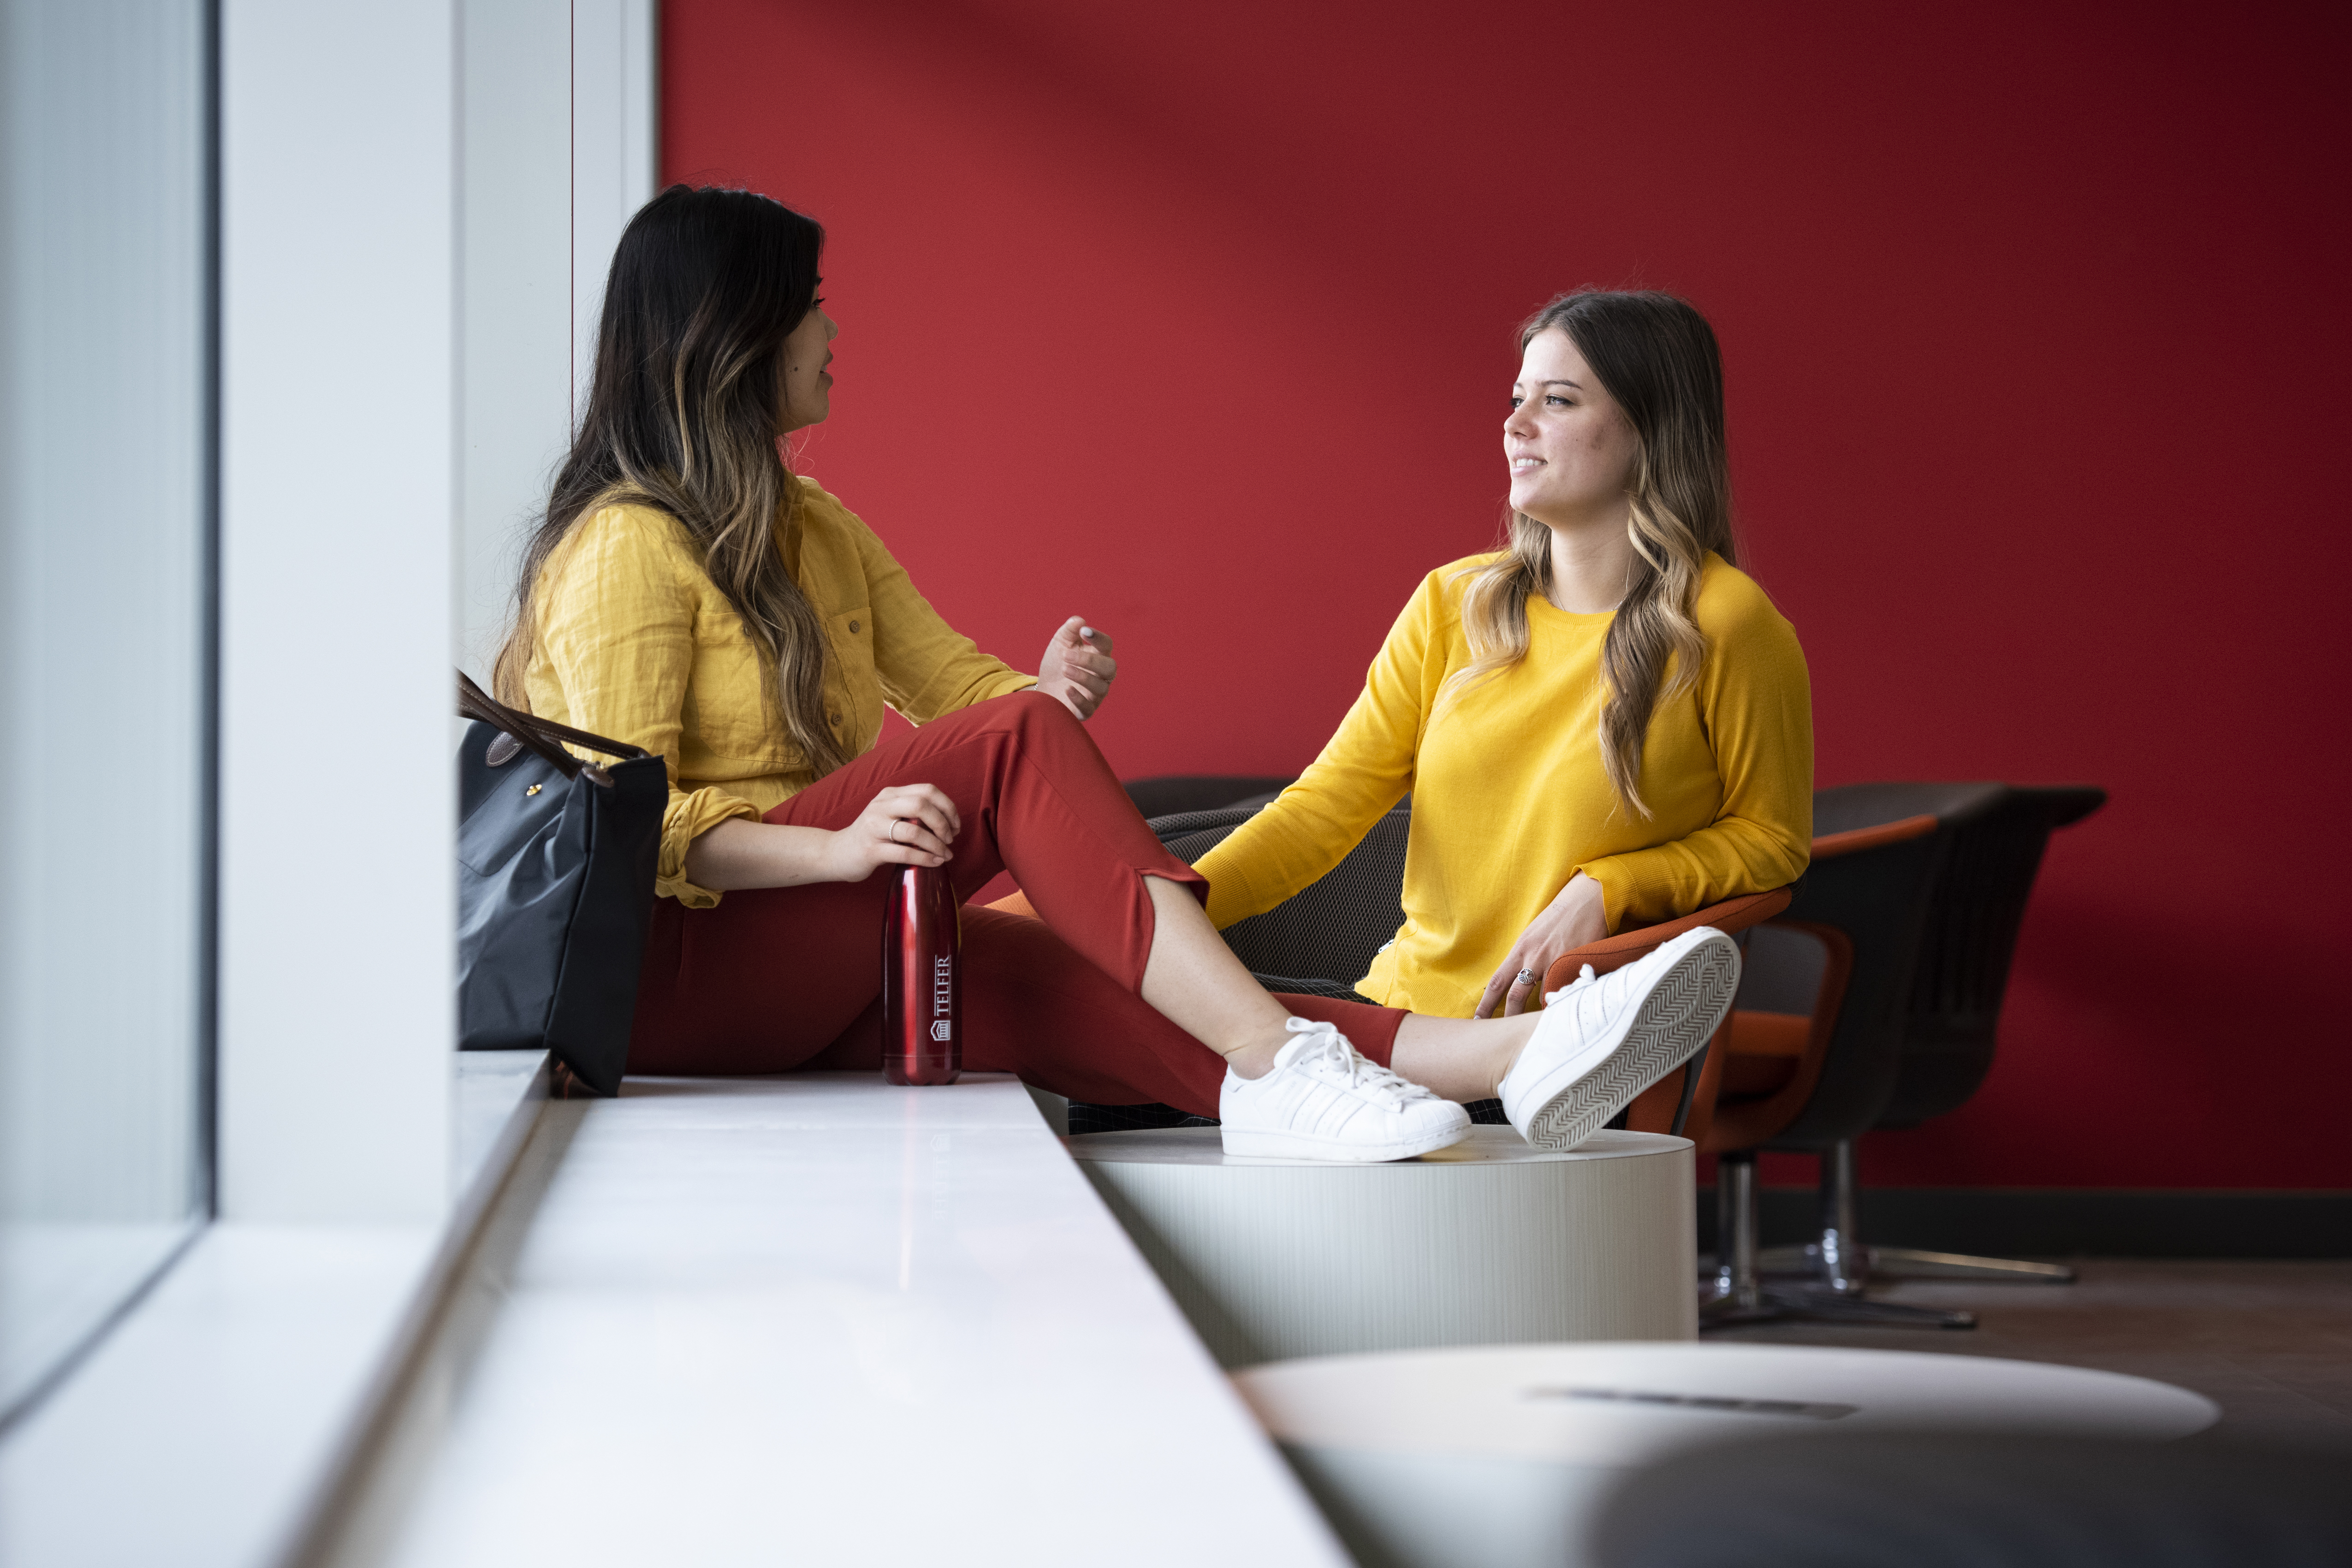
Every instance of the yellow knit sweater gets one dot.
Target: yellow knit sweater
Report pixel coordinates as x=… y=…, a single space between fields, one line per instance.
x=1510 y=800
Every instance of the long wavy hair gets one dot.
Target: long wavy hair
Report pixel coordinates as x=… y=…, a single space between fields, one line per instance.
x=705 y=287
x=1656 y=357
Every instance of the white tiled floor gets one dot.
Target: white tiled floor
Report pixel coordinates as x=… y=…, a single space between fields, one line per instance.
x=821 y=1319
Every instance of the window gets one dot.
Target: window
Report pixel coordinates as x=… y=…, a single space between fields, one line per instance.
x=106 y=661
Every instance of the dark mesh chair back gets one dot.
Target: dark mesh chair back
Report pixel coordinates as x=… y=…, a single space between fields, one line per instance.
x=1328 y=930
x=1877 y=900
x=1953 y=1014
x=1174 y=793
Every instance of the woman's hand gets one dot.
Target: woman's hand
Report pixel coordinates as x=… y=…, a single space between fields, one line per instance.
x=1574 y=918
x=906 y=824
x=1078 y=669
x=901 y=826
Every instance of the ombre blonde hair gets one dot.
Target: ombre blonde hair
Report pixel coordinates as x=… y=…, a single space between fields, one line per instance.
x=1656 y=358
x=705 y=287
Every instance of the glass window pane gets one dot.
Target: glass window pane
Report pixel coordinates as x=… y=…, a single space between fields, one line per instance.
x=105 y=393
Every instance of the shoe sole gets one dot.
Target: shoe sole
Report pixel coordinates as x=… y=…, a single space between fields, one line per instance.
x=1256 y=1145
x=1679 y=1016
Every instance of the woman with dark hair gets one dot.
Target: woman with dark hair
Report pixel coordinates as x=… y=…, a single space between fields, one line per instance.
x=1604 y=724
x=687 y=593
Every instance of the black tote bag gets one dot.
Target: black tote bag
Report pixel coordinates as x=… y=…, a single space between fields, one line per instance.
x=555 y=884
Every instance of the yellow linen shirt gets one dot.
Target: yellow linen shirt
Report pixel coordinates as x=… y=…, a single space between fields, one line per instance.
x=635 y=642
x=1509 y=799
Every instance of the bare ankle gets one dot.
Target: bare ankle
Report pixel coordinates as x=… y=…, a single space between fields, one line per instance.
x=1511 y=1040
x=1255 y=1059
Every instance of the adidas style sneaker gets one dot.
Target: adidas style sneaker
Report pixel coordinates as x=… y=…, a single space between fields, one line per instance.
x=1600 y=1041
x=1323 y=1099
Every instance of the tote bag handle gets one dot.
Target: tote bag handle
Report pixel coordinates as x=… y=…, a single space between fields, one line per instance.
x=541 y=735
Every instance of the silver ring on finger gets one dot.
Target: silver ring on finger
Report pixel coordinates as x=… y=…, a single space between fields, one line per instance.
x=1526 y=977
x=896 y=823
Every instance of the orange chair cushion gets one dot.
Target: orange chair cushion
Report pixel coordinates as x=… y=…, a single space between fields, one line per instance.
x=1757 y=1034
x=1763 y=1052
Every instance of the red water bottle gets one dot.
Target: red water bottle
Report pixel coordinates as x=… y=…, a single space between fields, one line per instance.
x=922 y=982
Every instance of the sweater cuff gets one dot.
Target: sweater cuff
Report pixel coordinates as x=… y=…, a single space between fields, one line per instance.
x=689 y=817
x=1231 y=898
x=1617 y=889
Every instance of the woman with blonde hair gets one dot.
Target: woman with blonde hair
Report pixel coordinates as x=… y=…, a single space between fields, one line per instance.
x=687 y=594
x=1603 y=724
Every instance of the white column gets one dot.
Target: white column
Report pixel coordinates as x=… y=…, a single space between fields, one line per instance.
x=613 y=139
x=340 y=485
x=517 y=287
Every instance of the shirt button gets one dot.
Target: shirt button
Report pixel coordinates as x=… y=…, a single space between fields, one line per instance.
x=852 y=626
x=833 y=719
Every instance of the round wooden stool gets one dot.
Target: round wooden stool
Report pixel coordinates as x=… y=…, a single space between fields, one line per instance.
x=1488 y=1242
x=1496 y=1457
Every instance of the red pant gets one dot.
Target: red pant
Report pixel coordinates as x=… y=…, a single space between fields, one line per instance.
x=778 y=978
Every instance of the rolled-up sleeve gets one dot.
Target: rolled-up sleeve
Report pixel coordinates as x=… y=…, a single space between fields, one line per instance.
x=616 y=628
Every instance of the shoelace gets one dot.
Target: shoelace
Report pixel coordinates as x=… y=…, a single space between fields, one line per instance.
x=1579 y=984
x=1330 y=1053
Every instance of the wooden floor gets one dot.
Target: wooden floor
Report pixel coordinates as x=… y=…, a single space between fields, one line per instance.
x=2270 y=1342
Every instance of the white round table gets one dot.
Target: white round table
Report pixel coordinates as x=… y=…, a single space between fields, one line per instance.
x=1494 y=1456
x=1488 y=1242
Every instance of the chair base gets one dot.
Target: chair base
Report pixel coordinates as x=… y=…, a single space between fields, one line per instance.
x=1914 y=1263
x=1730 y=1308
x=1838 y=1262
x=1738 y=1293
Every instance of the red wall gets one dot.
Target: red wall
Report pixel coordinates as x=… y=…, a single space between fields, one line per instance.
x=1198 y=320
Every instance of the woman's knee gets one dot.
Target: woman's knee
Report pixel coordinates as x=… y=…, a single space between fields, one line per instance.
x=1023 y=713
x=1038 y=713
x=1036 y=723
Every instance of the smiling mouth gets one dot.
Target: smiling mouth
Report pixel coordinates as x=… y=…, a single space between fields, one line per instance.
x=1526 y=465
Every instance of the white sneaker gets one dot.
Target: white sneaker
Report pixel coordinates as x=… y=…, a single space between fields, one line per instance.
x=1323 y=1099
x=1603 y=1041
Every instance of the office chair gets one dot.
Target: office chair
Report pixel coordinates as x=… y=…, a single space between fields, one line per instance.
x=1952 y=1010
x=1814 y=1049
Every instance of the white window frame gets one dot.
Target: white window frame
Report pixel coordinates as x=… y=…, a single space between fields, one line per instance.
x=357 y=559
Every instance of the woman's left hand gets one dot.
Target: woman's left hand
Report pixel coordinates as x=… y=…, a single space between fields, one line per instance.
x=1574 y=918
x=1078 y=668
